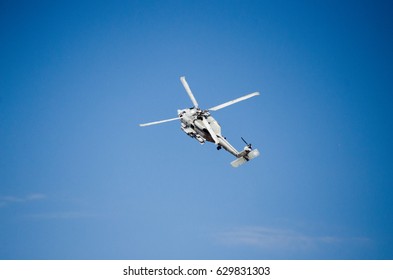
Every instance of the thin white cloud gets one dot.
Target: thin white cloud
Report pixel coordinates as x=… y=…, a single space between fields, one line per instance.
x=280 y=240
x=35 y=196
x=65 y=215
x=9 y=199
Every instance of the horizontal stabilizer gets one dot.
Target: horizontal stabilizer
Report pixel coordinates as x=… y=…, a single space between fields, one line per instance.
x=251 y=155
x=239 y=161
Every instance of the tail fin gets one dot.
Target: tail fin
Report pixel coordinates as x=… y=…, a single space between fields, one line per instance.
x=249 y=156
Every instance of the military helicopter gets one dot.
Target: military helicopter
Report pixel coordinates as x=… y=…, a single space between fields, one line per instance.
x=199 y=124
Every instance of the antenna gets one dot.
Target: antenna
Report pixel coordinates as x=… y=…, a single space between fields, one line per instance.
x=248 y=144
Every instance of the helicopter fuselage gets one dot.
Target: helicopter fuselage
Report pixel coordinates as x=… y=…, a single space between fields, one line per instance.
x=192 y=124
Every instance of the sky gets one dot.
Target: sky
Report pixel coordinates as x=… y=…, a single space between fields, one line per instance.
x=79 y=179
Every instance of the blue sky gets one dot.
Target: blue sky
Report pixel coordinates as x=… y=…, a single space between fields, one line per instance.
x=79 y=179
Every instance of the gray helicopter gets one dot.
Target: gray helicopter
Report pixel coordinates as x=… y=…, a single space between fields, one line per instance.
x=199 y=124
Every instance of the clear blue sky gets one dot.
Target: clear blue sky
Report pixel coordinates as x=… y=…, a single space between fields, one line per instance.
x=79 y=179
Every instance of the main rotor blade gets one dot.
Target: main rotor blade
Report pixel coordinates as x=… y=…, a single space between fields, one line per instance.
x=218 y=107
x=158 y=122
x=185 y=85
x=211 y=131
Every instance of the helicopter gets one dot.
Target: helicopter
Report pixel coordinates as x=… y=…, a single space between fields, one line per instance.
x=199 y=124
